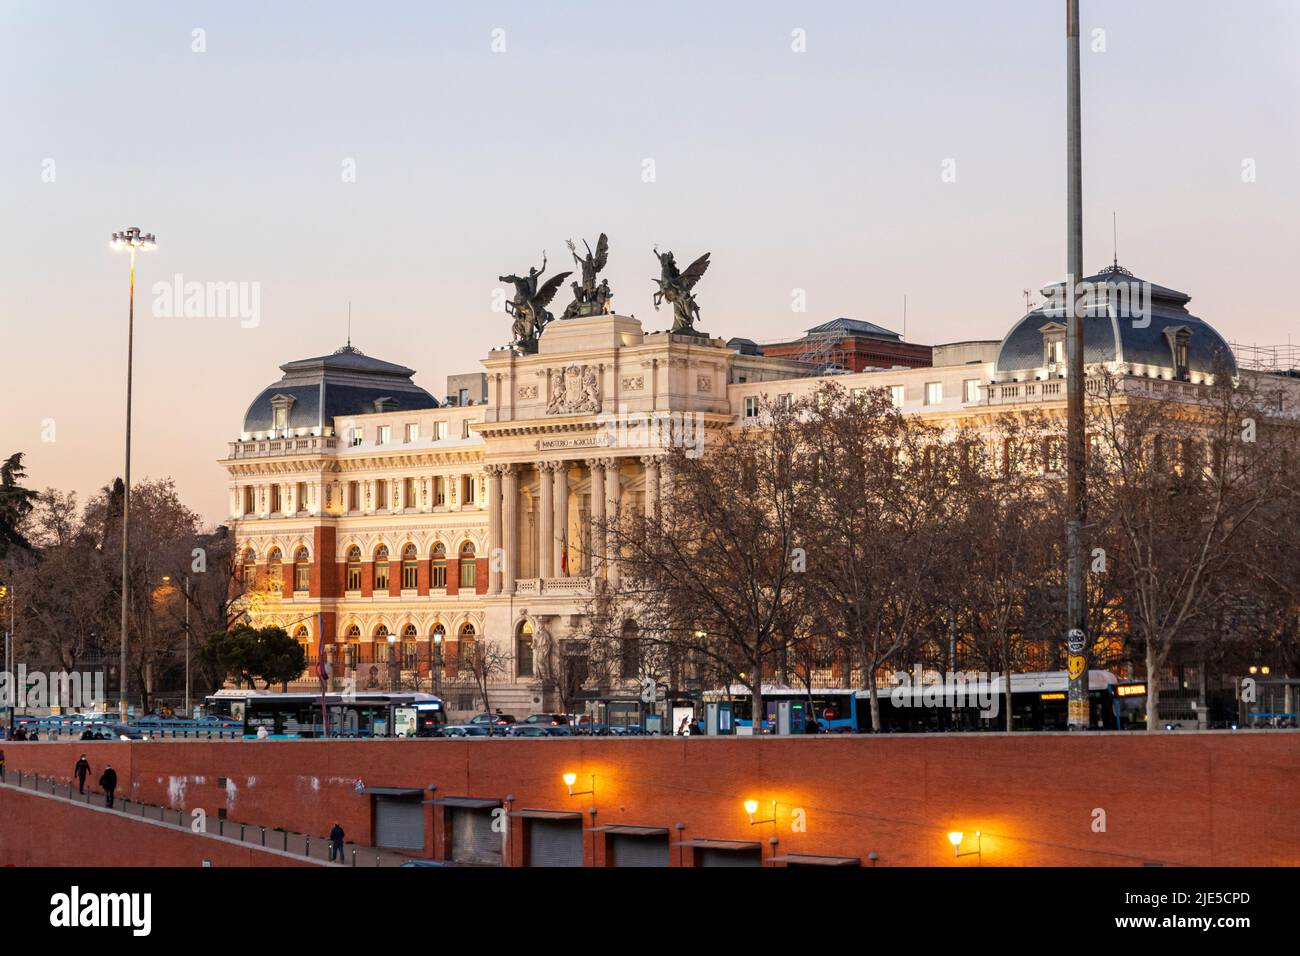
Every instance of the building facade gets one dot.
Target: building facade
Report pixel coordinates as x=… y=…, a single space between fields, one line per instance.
x=424 y=544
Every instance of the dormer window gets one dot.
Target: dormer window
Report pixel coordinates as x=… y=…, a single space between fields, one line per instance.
x=280 y=406
x=1178 y=338
x=385 y=404
x=1054 y=350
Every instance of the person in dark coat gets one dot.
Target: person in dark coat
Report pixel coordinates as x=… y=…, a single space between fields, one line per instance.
x=336 y=843
x=80 y=771
x=109 y=782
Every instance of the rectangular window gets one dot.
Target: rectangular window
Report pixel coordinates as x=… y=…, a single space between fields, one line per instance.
x=786 y=401
x=934 y=393
x=381 y=576
x=381 y=495
x=469 y=489
x=439 y=572
x=439 y=431
x=250 y=502
x=275 y=499
x=302 y=576
x=463 y=397
x=412 y=432
x=439 y=491
x=354 y=496
x=354 y=576
x=971 y=390
x=1056 y=352
x=408 y=493
x=302 y=497
x=896 y=395
x=751 y=406
x=465 y=430
x=356 y=436
x=383 y=434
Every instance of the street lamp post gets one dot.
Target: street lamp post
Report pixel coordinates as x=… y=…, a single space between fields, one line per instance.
x=167 y=580
x=132 y=240
x=437 y=664
x=393 y=669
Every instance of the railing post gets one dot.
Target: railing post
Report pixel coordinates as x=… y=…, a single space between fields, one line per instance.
x=263 y=836
x=354 y=856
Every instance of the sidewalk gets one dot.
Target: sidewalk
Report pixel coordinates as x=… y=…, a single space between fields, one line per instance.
x=300 y=845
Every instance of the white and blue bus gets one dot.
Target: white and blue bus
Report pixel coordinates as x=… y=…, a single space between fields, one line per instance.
x=1038 y=702
x=349 y=715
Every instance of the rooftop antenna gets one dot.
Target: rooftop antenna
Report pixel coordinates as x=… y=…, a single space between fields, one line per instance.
x=1114 y=239
x=1028 y=294
x=349 y=323
x=904 y=316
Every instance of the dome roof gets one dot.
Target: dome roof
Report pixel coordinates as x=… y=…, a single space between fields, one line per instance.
x=1134 y=328
x=348 y=382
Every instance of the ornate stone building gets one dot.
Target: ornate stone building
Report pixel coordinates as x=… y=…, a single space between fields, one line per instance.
x=414 y=533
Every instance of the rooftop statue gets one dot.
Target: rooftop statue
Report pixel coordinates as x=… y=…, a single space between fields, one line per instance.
x=590 y=297
x=528 y=307
x=675 y=288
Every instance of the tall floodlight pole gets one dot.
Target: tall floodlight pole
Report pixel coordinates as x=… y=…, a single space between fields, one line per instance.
x=1076 y=602
x=132 y=240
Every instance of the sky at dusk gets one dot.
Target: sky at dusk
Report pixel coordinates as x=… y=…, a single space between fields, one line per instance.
x=404 y=155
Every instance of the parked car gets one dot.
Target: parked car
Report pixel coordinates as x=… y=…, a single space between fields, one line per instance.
x=559 y=730
x=550 y=720
x=529 y=730
x=497 y=723
x=467 y=730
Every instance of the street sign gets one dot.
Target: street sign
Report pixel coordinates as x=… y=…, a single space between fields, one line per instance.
x=648 y=690
x=1074 y=641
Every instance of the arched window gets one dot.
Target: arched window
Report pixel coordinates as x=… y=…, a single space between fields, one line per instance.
x=250 y=570
x=381 y=568
x=303 y=637
x=524 y=649
x=410 y=647
x=465 y=643
x=439 y=566
x=381 y=643
x=468 y=566
x=410 y=564
x=353 y=647
x=275 y=569
x=301 y=571
x=354 y=569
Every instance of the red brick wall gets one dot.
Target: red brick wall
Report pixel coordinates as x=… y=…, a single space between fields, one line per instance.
x=1209 y=799
x=36 y=831
x=324 y=566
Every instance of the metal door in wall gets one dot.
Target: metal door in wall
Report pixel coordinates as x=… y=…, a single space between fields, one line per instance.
x=625 y=850
x=399 y=823
x=472 y=838
x=554 y=843
x=715 y=857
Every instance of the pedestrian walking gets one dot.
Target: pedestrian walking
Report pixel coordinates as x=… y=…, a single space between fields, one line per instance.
x=336 y=844
x=80 y=771
x=108 y=781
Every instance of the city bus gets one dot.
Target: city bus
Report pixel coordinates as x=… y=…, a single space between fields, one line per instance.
x=1038 y=702
x=352 y=715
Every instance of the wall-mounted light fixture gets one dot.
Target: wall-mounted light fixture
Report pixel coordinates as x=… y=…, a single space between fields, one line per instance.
x=751 y=808
x=957 y=837
x=571 y=778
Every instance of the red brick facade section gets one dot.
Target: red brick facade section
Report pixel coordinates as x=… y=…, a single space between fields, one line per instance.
x=1207 y=799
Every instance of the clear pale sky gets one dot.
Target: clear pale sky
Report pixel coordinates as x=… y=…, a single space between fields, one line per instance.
x=817 y=170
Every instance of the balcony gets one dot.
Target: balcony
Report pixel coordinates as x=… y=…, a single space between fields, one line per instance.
x=554 y=586
x=279 y=447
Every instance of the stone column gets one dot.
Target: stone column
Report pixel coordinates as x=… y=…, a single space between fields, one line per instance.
x=561 y=519
x=651 y=464
x=613 y=489
x=510 y=525
x=494 y=527
x=596 y=544
x=546 y=518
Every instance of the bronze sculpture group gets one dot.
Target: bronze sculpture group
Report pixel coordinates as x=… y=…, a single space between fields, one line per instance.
x=529 y=310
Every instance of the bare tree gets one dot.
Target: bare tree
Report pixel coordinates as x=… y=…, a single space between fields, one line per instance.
x=1180 y=485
